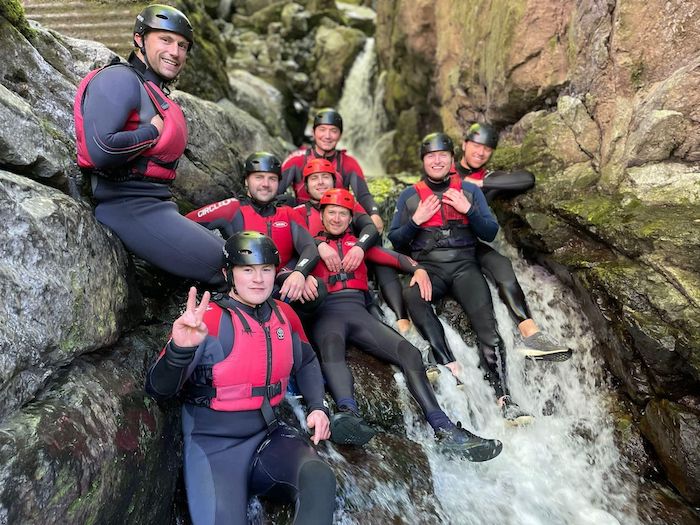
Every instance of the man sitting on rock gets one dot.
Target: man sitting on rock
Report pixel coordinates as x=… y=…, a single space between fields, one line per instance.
x=480 y=142
x=130 y=136
x=439 y=221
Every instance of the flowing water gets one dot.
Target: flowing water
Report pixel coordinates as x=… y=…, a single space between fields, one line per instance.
x=362 y=111
x=562 y=469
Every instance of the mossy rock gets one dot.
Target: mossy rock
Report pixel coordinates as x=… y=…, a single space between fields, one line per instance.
x=13 y=12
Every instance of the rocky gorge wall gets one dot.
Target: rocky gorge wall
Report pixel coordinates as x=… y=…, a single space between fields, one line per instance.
x=599 y=99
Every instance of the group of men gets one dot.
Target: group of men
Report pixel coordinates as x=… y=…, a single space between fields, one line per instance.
x=278 y=272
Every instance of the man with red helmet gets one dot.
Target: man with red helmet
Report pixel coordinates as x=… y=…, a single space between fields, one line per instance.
x=344 y=319
x=328 y=127
x=259 y=211
x=129 y=137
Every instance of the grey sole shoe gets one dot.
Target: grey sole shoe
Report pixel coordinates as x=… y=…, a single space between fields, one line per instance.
x=348 y=429
x=475 y=452
x=546 y=355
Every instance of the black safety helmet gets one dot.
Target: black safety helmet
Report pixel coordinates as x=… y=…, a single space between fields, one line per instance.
x=262 y=161
x=436 y=142
x=482 y=134
x=250 y=247
x=328 y=116
x=164 y=18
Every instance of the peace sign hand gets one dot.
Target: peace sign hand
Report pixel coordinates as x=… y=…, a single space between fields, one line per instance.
x=188 y=329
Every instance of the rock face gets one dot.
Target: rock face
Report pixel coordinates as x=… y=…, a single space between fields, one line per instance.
x=600 y=101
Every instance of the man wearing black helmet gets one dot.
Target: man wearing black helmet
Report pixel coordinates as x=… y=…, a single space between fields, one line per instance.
x=439 y=221
x=480 y=142
x=259 y=211
x=129 y=137
x=328 y=127
x=230 y=361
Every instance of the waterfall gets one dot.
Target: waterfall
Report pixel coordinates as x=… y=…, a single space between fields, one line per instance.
x=361 y=107
x=565 y=467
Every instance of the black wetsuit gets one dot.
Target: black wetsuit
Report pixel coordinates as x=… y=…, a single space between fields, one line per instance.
x=497 y=267
x=141 y=212
x=344 y=318
x=453 y=268
x=230 y=455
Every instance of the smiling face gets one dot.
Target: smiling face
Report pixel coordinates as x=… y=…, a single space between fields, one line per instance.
x=166 y=52
x=318 y=183
x=437 y=164
x=252 y=284
x=475 y=155
x=335 y=219
x=262 y=185
x=326 y=138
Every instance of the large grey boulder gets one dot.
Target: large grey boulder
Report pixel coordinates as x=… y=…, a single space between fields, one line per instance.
x=63 y=286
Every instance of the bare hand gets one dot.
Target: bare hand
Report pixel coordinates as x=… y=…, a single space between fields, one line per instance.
x=378 y=222
x=330 y=257
x=157 y=121
x=353 y=258
x=457 y=199
x=421 y=278
x=293 y=286
x=426 y=209
x=310 y=289
x=318 y=421
x=188 y=329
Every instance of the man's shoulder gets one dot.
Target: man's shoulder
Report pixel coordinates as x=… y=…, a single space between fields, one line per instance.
x=295 y=158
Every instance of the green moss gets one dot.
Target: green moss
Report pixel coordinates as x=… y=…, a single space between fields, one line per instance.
x=13 y=11
x=506 y=158
x=381 y=188
x=637 y=74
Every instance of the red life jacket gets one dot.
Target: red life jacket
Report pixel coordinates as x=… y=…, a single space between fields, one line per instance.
x=312 y=217
x=258 y=364
x=479 y=174
x=300 y=188
x=278 y=227
x=356 y=280
x=157 y=162
x=446 y=215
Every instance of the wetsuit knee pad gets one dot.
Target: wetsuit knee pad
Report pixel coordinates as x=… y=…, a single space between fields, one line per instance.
x=332 y=348
x=410 y=357
x=316 y=495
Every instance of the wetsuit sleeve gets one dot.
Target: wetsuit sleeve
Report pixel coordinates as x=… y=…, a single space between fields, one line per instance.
x=111 y=97
x=291 y=170
x=364 y=229
x=306 y=369
x=402 y=229
x=174 y=365
x=516 y=181
x=305 y=246
x=224 y=216
x=386 y=257
x=354 y=179
x=481 y=219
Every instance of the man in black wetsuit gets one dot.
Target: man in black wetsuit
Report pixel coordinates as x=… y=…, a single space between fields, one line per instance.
x=344 y=318
x=439 y=221
x=230 y=361
x=129 y=137
x=478 y=146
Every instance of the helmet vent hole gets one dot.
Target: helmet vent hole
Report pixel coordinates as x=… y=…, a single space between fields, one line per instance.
x=162 y=16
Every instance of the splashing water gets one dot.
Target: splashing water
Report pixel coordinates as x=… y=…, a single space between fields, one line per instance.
x=562 y=469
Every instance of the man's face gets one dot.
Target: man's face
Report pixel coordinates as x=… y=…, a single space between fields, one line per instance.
x=318 y=183
x=335 y=219
x=476 y=155
x=253 y=283
x=166 y=52
x=326 y=137
x=437 y=164
x=262 y=186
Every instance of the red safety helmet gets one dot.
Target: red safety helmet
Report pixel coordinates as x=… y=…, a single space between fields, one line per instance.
x=318 y=166
x=339 y=197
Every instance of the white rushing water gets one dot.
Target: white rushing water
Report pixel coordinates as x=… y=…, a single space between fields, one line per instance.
x=562 y=469
x=361 y=107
